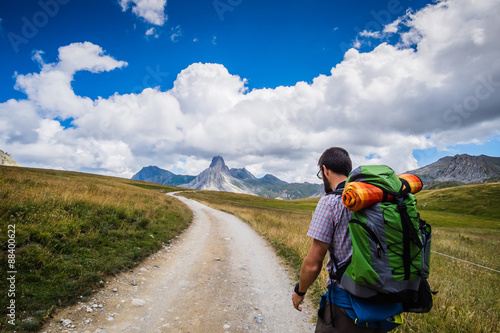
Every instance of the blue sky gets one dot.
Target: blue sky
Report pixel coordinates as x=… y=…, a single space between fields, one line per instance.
x=111 y=86
x=270 y=43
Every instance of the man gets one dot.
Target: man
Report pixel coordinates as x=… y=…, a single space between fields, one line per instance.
x=329 y=225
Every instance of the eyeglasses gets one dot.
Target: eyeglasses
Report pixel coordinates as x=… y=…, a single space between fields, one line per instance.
x=319 y=174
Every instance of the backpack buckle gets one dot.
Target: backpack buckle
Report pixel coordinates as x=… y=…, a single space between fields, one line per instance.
x=400 y=200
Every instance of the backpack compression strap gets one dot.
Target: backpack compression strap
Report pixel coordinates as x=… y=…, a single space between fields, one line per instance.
x=409 y=231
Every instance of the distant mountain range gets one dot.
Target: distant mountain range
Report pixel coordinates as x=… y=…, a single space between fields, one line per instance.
x=458 y=170
x=218 y=177
x=448 y=171
x=153 y=174
x=6 y=159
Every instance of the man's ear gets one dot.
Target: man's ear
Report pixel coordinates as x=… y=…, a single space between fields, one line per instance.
x=325 y=170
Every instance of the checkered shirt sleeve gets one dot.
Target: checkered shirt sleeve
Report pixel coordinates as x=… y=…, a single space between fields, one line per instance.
x=329 y=212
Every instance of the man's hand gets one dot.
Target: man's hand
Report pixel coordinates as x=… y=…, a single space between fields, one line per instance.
x=296 y=299
x=311 y=267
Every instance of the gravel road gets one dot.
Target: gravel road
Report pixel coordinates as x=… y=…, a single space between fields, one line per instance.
x=218 y=276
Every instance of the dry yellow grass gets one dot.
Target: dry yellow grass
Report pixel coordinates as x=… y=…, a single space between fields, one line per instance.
x=468 y=299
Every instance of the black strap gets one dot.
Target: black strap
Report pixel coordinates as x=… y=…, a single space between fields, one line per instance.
x=339 y=189
x=409 y=233
x=406 y=237
x=336 y=192
x=406 y=186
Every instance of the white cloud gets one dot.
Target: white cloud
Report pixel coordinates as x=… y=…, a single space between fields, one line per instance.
x=357 y=44
x=393 y=27
x=175 y=33
x=208 y=85
x=37 y=57
x=152 y=11
x=152 y=32
x=86 y=56
x=19 y=122
x=51 y=89
x=371 y=34
x=380 y=105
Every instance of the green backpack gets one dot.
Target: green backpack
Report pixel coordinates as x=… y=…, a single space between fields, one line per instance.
x=391 y=245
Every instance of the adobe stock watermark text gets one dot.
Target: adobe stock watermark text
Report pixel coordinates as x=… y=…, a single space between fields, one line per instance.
x=11 y=273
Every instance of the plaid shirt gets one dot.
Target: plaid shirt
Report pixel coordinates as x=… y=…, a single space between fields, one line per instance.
x=331 y=211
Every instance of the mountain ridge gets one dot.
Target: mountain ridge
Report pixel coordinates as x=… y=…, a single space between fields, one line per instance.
x=6 y=159
x=157 y=175
x=445 y=172
x=219 y=177
x=459 y=169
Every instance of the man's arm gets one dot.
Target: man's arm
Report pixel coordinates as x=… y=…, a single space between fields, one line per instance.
x=311 y=267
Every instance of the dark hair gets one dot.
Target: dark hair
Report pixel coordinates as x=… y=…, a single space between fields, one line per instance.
x=336 y=159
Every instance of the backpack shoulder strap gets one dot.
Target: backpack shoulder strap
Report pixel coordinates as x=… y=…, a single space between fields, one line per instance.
x=338 y=190
x=339 y=270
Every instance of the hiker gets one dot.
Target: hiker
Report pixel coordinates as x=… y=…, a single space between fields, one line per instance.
x=329 y=226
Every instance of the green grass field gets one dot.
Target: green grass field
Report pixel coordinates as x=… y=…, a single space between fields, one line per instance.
x=71 y=231
x=466 y=225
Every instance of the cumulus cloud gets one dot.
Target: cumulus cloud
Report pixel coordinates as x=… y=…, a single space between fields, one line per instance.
x=51 y=89
x=86 y=56
x=152 y=11
x=437 y=87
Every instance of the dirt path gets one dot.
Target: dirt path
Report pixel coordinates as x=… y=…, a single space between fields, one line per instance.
x=218 y=276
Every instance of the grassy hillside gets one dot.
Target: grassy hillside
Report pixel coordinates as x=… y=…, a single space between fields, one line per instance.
x=71 y=230
x=476 y=200
x=246 y=200
x=466 y=225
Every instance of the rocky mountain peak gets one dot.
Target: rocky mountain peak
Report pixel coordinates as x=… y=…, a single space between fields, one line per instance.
x=218 y=163
x=160 y=176
x=468 y=168
x=6 y=159
x=271 y=179
x=218 y=177
x=462 y=168
x=242 y=174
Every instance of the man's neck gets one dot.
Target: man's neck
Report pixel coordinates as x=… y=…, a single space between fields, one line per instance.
x=337 y=179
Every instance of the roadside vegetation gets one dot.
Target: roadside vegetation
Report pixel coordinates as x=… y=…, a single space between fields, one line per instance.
x=466 y=225
x=72 y=230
